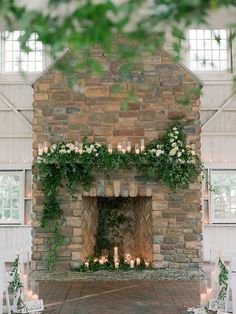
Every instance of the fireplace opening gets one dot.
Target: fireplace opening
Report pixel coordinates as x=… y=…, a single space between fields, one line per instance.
x=124 y=222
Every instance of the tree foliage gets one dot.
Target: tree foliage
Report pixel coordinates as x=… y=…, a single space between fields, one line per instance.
x=81 y=25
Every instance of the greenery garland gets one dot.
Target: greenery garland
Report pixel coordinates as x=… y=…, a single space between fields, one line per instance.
x=167 y=159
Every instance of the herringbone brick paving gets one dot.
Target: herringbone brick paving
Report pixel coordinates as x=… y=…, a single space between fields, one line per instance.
x=118 y=297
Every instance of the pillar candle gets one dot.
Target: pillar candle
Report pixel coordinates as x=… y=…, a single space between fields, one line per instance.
x=86 y=264
x=116 y=264
x=203 y=299
x=35 y=297
x=132 y=263
x=129 y=147
x=138 y=261
x=115 y=251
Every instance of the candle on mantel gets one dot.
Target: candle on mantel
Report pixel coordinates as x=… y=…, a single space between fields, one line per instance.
x=131 y=263
x=138 y=261
x=119 y=147
x=142 y=146
x=129 y=147
x=80 y=148
x=109 y=148
x=45 y=147
x=35 y=297
x=40 y=149
x=137 y=151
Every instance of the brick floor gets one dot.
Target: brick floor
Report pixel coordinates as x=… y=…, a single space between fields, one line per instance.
x=118 y=297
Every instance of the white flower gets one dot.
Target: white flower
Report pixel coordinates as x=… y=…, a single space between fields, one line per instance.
x=94 y=150
x=68 y=145
x=62 y=151
x=179 y=154
x=96 y=154
x=174 y=144
x=176 y=137
x=53 y=147
x=171 y=134
x=88 y=150
x=159 y=152
x=173 y=151
x=193 y=152
x=76 y=149
x=91 y=146
x=174 y=129
x=183 y=150
x=176 y=132
x=171 y=140
x=98 y=145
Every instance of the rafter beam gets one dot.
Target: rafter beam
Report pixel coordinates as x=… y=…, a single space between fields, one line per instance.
x=15 y=110
x=227 y=102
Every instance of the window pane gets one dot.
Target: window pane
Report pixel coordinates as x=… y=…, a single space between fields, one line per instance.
x=224 y=196
x=10 y=197
x=26 y=61
x=207 y=45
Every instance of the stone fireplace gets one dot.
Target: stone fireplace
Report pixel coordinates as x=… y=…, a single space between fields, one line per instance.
x=166 y=228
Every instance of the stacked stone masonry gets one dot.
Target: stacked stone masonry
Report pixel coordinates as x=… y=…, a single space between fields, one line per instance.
x=94 y=110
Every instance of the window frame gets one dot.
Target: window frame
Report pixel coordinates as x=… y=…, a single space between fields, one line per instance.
x=212 y=218
x=19 y=221
x=211 y=71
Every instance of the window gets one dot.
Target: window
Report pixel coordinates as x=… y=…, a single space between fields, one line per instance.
x=223 y=198
x=208 y=50
x=11 y=197
x=16 y=60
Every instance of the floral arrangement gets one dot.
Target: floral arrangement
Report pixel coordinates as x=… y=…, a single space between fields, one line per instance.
x=167 y=159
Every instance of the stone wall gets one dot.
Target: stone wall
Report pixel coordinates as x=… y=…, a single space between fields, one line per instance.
x=96 y=111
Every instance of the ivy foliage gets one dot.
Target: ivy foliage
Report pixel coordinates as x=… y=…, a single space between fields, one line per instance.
x=168 y=160
x=111 y=218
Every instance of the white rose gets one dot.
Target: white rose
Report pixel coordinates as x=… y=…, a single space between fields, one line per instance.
x=54 y=146
x=94 y=150
x=173 y=151
x=98 y=145
x=171 y=140
x=193 y=153
x=159 y=152
x=176 y=132
x=96 y=154
x=171 y=134
x=76 y=149
x=91 y=146
x=176 y=137
x=174 y=129
x=179 y=154
x=183 y=150
x=174 y=144
x=68 y=145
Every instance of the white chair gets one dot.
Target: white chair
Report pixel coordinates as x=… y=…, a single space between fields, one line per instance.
x=9 y=258
x=4 y=288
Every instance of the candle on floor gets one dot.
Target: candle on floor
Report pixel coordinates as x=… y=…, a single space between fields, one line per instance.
x=115 y=251
x=86 y=264
x=29 y=294
x=127 y=258
x=116 y=265
x=101 y=261
x=138 y=261
x=137 y=151
x=147 y=263
x=203 y=299
x=35 y=297
x=132 y=263
x=209 y=290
